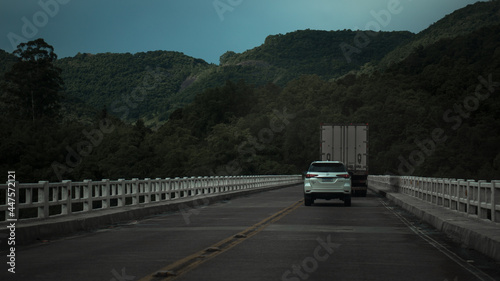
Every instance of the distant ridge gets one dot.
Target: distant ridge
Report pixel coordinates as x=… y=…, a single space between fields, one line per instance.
x=460 y=22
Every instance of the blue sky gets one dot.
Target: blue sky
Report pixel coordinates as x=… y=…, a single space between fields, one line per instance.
x=200 y=28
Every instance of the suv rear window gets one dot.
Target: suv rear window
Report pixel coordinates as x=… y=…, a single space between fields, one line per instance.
x=327 y=167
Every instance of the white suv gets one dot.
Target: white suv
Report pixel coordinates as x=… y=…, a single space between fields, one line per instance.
x=327 y=180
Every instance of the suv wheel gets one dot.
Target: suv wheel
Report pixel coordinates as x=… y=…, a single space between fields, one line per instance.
x=347 y=201
x=308 y=200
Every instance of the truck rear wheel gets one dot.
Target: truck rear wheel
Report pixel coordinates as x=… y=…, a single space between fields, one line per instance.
x=362 y=193
x=359 y=193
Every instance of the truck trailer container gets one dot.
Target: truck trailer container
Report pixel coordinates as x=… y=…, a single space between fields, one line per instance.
x=347 y=143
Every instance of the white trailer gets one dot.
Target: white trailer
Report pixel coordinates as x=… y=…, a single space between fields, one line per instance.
x=347 y=143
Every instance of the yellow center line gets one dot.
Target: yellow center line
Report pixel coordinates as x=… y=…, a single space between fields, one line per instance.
x=171 y=271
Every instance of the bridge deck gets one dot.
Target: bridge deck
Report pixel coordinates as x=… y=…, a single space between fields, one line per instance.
x=280 y=240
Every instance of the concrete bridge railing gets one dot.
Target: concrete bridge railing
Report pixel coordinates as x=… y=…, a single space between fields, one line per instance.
x=475 y=198
x=44 y=200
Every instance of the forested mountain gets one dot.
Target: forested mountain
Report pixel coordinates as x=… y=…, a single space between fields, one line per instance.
x=432 y=113
x=108 y=80
x=93 y=82
x=327 y=54
x=143 y=85
x=460 y=22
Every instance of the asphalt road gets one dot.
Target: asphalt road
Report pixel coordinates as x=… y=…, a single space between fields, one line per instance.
x=264 y=236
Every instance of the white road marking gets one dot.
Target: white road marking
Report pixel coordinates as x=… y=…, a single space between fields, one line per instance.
x=464 y=264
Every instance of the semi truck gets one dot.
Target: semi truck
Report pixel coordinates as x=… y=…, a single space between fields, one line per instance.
x=347 y=143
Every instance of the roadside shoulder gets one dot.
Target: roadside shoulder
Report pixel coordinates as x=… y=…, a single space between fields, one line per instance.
x=475 y=233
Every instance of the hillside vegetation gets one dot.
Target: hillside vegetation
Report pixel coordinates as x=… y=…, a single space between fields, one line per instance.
x=460 y=22
x=143 y=85
x=433 y=113
x=94 y=82
x=318 y=52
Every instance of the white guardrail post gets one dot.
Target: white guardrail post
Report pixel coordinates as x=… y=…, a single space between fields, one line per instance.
x=44 y=212
x=494 y=200
x=479 y=208
x=480 y=199
x=44 y=200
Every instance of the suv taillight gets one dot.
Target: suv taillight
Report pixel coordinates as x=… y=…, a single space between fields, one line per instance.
x=311 y=175
x=346 y=176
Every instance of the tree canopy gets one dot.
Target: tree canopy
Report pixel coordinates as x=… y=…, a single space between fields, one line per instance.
x=32 y=88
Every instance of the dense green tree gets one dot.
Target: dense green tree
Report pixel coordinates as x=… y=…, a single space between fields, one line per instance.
x=32 y=88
